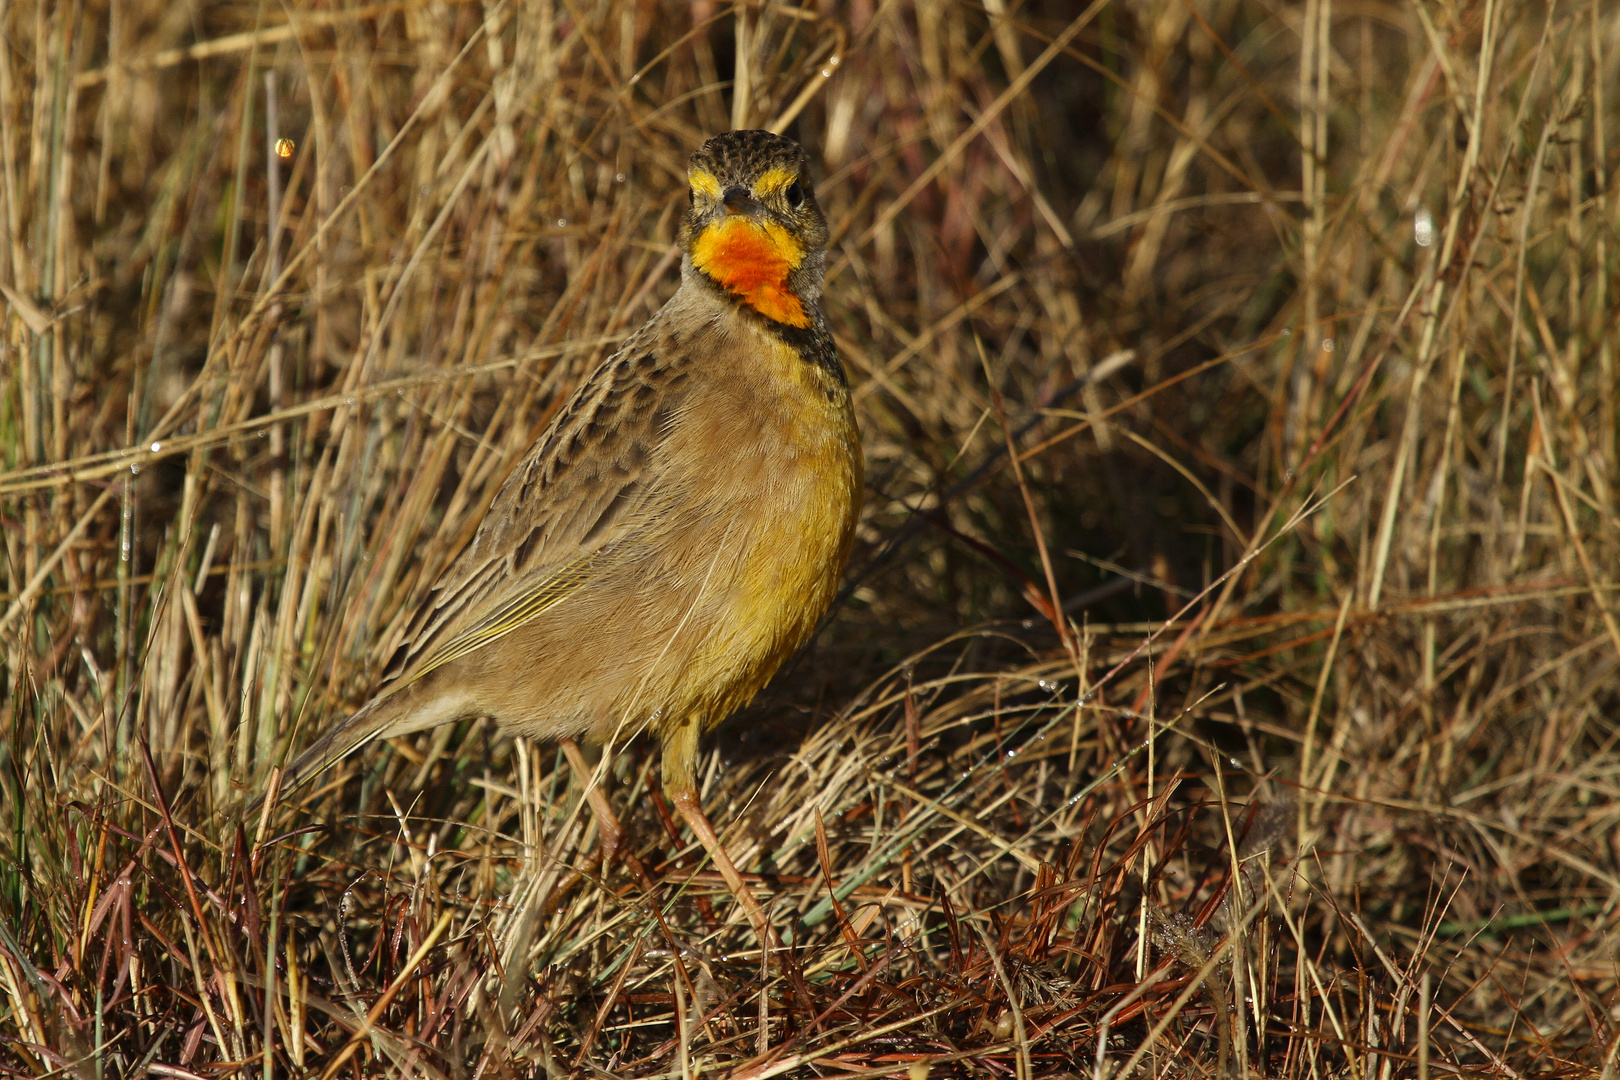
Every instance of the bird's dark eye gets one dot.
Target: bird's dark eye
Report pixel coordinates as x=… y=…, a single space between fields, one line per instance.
x=795 y=194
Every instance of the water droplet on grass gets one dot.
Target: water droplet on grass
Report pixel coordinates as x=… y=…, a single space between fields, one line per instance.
x=1423 y=226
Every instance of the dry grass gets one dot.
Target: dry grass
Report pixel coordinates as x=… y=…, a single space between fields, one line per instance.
x=1300 y=321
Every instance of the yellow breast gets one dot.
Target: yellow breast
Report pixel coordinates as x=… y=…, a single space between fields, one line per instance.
x=797 y=531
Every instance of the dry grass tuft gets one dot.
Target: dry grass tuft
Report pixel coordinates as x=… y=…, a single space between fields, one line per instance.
x=1256 y=714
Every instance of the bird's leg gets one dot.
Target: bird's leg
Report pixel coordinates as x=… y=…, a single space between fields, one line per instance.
x=686 y=802
x=607 y=822
x=680 y=784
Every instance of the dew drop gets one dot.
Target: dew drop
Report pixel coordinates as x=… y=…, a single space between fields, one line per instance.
x=157 y=447
x=1423 y=226
x=562 y=223
x=618 y=178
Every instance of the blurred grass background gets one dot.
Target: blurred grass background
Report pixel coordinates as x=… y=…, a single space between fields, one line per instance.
x=1226 y=682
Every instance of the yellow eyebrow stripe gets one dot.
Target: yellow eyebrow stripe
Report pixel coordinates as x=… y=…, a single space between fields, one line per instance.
x=704 y=183
x=773 y=180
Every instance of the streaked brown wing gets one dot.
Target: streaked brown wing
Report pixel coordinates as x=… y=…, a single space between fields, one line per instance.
x=583 y=486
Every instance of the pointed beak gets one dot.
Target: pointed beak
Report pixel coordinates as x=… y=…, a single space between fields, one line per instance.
x=738 y=201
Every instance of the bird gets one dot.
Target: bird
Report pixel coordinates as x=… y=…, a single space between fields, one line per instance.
x=676 y=532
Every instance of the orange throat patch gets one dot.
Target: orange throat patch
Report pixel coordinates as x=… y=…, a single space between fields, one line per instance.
x=752 y=262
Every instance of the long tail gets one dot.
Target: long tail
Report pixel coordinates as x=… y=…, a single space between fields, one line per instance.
x=379 y=716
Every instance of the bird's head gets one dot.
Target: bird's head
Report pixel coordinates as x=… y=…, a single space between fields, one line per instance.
x=754 y=227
